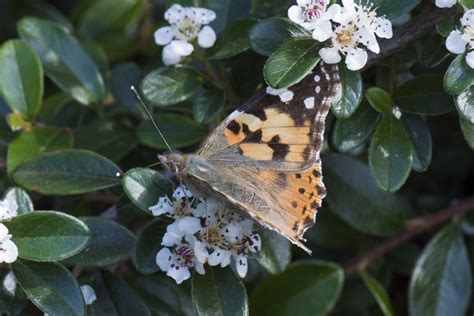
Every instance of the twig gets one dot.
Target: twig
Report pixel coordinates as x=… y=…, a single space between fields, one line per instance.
x=415 y=228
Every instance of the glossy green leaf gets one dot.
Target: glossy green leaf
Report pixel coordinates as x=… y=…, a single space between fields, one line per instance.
x=355 y=130
x=51 y=287
x=21 y=78
x=355 y=198
x=390 y=154
x=350 y=92
x=145 y=186
x=109 y=243
x=233 y=40
x=52 y=105
x=22 y=199
x=268 y=35
x=291 y=62
x=379 y=293
x=67 y=172
x=468 y=4
x=441 y=281
x=434 y=52
x=171 y=85
x=380 y=100
x=208 y=104
x=391 y=9
x=178 y=130
x=468 y=131
x=47 y=235
x=309 y=285
x=459 y=76
x=465 y=104
x=218 y=292
x=124 y=76
x=423 y=95
x=420 y=137
x=12 y=298
x=31 y=143
x=445 y=25
x=275 y=254
x=64 y=60
x=148 y=245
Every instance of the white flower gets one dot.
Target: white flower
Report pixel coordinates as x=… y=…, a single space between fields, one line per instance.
x=187 y=24
x=88 y=293
x=8 y=249
x=459 y=40
x=8 y=206
x=309 y=14
x=445 y=3
x=177 y=261
x=181 y=206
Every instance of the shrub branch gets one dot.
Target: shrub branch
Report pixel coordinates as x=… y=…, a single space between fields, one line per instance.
x=414 y=228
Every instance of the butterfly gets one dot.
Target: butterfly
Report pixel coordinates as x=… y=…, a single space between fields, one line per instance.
x=264 y=157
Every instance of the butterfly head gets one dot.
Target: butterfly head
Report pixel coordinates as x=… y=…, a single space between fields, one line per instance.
x=173 y=162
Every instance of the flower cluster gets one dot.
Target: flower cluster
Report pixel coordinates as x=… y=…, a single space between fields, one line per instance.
x=8 y=249
x=347 y=29
x=203 y=231
x=460 y=40
x=186 y=25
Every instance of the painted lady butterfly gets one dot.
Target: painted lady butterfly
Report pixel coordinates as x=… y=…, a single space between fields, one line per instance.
x=264 y=157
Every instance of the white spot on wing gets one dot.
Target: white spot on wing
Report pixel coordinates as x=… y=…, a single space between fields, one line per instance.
x=309 y=102
x=318 y=89
x=284 y=94
x=317 y=78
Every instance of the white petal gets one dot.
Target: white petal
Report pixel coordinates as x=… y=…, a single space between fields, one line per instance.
x=181 y=47
x=330 y=55
x=9 y=283
x=333 y=13
x=199 y=267
x=9 y=252
x=88 y=293
x=182 y=191
x=164 y=206
x=349 y=5
x=226 y=259
x=206 y=37
x=203 y=16
x=383 y=28
x=173 y=235
x=356 y=59
x=246 y=226
x=322 y=30
x=179 y=274
x=366 y=37
x=470 y=59
x=175 y=14
x=163 y=35
x=199 y=210
x=468 y=18
x=455 y=43
x=3 y=231
x=255 y=243
x=295 y=14
x=170 y=57
x=216 y=257
x=200 y=252
x=241 y=265
x=303 y=3
x=445 y=3
x=233 y=232
x=164 y=259
x=189 y=225
x=10 y=205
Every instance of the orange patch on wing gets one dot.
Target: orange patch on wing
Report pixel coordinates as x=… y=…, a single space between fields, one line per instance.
x=287 y=135
x=257 y=151
x=276 y=118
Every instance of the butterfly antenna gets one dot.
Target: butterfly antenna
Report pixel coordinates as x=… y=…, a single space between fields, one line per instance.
x=151 y=117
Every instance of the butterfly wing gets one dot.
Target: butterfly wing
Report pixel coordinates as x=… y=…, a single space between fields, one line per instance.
x=268 y=153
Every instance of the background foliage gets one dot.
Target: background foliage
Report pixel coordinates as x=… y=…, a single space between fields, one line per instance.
x=73 y=142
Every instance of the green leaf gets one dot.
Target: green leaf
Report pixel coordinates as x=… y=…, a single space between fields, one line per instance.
x=291 y=62
x=391 y=9
x=112 y=139
x=123 y=77
x=465 y=104
x=459 y=76
x=275 y=254
x=34 y=142
x=47 y=235
x=421 y=139
x=378 y=292
x=109 y=243
x=380 y=100
x=208 y=104
x=423 y=95
x=468 y=131
x=22 y=199
x=12 y=298
x=145 y=186
x=355 y=130
x=354 y=197
x=268 y=35
x=64 y=61
x=232 y=40
x=218 y=292
x=445 y=25
x=178 y=130
x=350 y=93
x=390 y=154
x=51 y=287
x=52 y=105
x=67 y=172
x=148 y=245
x=171 y=85
x=309 y=285
x=434 y=52
x=467 y=4
x=441 y=281
x=21 y=78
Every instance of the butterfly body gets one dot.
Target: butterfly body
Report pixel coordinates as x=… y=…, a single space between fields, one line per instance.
x=264 y=158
